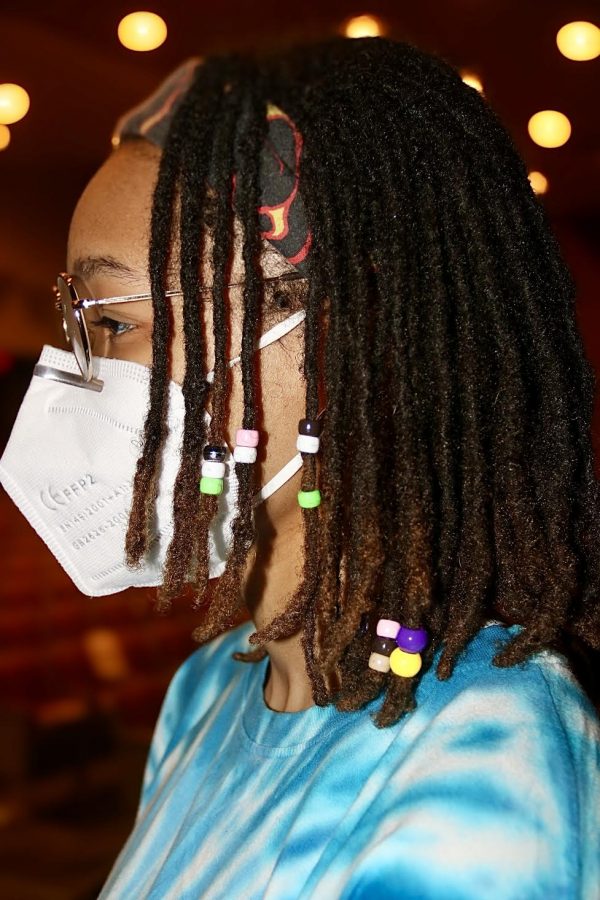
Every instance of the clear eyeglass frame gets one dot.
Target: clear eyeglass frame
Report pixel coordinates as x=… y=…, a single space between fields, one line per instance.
x=71 y=305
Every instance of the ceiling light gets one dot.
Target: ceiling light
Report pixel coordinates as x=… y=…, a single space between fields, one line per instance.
x=14 y=103
x=142 y=31
x=363 y=26
x=579 y=40
x=549 y=128
x=538 y=182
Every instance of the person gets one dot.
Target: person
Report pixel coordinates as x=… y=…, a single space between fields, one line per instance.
x=341 y=235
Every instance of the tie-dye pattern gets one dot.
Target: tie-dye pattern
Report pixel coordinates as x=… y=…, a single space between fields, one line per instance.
x=489 y=789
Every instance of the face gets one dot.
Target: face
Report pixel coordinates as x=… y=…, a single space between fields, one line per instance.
x=112 y=222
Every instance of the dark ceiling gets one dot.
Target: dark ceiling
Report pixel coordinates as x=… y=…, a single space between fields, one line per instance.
x=80 y=79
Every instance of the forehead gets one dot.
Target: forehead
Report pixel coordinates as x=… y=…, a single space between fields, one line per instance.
x=113 y=215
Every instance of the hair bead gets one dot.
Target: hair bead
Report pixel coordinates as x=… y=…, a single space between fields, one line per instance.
x=401 y=645
x=213 y=469
x=404 y=664
x=246 y=437
x=309 y=499
x=306 y=443
x=379 y=662
x=244 y=454
x=214 y=453
x=388 y=628
x=310 y=427
x=211 y=485
x=413 y=640
x=384 y=645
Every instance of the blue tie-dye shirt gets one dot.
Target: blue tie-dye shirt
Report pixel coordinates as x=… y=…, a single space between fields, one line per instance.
x=489 y=790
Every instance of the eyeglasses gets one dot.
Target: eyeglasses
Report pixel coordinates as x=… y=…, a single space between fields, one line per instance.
x=71 y=305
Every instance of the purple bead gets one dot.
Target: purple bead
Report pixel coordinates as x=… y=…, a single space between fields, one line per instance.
x=214 y=452
x=413 y=640
x=309 y=426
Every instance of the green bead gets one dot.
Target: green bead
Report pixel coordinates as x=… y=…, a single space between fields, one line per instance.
x=211 y=485
x=309 y=499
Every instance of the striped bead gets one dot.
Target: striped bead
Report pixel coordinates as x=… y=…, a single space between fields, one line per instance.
x=214 y=452
x=213 y=469
x=379 y=662
x=246 y=437
x=244 y=454
x=388 y=628
x=404 y=664
x=305 y=443
x=211 y=485
x=309 y=499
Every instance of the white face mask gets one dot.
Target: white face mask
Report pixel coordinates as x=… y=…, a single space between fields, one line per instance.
x=71 y=458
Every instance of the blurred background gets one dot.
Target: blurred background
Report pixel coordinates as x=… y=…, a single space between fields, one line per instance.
x=81 y=680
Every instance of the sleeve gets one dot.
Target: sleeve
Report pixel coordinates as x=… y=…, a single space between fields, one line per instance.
x=488 y=802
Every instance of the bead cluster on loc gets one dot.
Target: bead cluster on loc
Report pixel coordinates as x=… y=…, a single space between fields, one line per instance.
x=213 y=469
x=397 y=648
x=308 y=441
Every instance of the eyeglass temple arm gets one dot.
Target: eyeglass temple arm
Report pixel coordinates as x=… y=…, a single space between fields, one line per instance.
x=86 y=303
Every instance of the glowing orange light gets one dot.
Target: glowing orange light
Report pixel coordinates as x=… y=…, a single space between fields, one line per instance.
x=538 y=182
x=14 y=103
x=579 y=41
x=549 y=128
x=472 y=80
x=363 y=26
x=142 y=31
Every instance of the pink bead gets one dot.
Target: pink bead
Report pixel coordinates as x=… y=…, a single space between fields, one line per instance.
x=246 y=437
x=388 y=628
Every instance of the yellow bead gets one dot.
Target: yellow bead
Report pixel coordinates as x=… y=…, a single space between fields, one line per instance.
x=404 y=664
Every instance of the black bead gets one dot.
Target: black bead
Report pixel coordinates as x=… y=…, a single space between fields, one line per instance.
x=309 y=426
x=214 y=453
x=383 y=645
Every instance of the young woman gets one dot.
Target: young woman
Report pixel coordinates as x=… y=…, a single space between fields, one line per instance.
x=341 y=235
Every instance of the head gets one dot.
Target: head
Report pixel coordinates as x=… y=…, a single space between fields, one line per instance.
x=455 y=468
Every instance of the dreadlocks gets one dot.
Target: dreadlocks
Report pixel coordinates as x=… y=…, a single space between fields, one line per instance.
x=456 y=465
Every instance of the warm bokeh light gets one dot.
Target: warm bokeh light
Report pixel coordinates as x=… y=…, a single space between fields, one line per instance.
x=538 y=182
x=549 y=128
x=363 y=26
x=14 y=103
x=4 y=137
x=472 y=80
x=579 y=40
x=142 y=31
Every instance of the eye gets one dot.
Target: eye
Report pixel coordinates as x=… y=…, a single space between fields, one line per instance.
x=115 y=327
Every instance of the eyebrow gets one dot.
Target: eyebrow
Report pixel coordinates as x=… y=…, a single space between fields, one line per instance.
x=88 y=266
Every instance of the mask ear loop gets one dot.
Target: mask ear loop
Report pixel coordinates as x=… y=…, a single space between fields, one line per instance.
x=269 y=337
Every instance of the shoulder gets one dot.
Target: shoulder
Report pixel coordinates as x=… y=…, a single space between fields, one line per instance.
x=530 y=724
x=542 y=688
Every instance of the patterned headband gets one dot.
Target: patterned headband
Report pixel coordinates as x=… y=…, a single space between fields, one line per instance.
x=282 y=214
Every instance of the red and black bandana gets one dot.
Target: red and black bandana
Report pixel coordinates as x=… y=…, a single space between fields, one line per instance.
x=282 y=214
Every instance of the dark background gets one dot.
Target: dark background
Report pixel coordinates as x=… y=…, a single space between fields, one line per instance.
x=81 y=680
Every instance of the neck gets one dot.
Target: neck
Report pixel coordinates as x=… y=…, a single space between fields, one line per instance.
x=274 y=575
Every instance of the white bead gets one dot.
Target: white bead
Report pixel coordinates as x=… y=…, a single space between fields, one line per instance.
x=244 y=454
x=307 y=443
x=379 y=662
x=213 y=469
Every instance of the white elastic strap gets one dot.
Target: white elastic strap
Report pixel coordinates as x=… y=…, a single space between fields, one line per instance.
x=273 y=334
x=278 y=480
